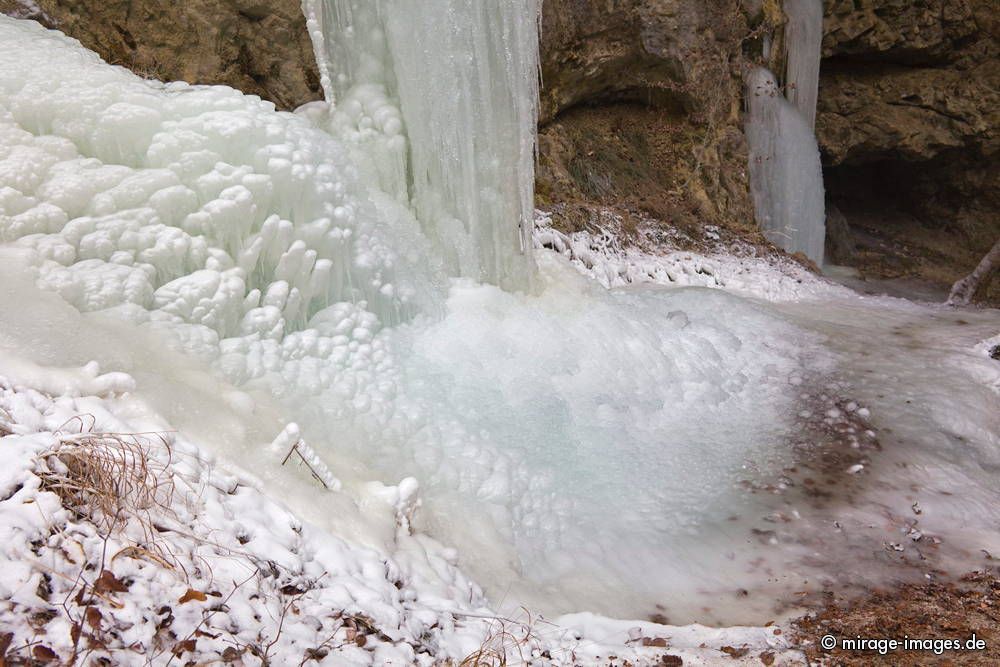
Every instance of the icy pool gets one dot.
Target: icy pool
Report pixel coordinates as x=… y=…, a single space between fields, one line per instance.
x=629 y=451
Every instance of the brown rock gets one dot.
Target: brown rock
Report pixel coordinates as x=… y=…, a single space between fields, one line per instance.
x=907 y=123
x=258 y=46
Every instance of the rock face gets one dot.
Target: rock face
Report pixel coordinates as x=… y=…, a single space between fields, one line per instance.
x=258 y=46
x=909 y=79
x=641 y=105
x=908 y=116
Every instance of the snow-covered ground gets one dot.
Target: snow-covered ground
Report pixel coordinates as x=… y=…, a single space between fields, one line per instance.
x=122 y=540
x=627 y=451
x=650 y=259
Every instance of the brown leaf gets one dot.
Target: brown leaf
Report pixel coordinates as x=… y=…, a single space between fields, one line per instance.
x=5 y=639
x=231 y=654
x=655 y=641
x=94 y=617
x=671 y=661
x=767 y=658
x=188 y=645
x=192 y=594
x=109 y=583
x=43 y=653
x=734 y=652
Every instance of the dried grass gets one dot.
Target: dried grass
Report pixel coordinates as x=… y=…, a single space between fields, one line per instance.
x=508 y=642
x=114 y=480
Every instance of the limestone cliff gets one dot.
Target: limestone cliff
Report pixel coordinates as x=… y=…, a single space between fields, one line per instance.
x=641 y=115
x=908 y=116
x=258 y=46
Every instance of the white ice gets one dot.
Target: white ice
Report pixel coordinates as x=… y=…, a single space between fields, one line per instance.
x=803 y=49
x=786 y=177
x=443 y=97
x=244 y=239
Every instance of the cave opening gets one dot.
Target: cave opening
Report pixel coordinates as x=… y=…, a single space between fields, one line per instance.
x=909 y=227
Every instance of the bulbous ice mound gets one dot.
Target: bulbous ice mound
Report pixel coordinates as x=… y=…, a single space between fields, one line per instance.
x=573 y=430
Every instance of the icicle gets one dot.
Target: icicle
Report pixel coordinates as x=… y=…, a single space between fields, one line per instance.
x=462 y=77
x=803 y=47
x=786 y=178
x=290 y=439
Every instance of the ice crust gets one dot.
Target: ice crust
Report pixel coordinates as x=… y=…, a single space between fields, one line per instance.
x=572 y=425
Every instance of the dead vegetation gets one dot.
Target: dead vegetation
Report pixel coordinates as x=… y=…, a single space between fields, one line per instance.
x=105 y=477
x=930 y=611
x=126 y=488
x=507 y=642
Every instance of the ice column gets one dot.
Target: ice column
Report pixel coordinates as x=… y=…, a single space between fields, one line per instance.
x=443 y=96
x=786 y=178
x=803 y=48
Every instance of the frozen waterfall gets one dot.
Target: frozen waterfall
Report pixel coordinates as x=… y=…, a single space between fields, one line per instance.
x=583 y=432
x=803 y=48
x=443 y=97
x=786 y=178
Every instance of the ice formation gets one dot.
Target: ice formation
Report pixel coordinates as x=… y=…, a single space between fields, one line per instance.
x=223 y=537
x=443 y=96
x=248 y=270
x=267 y=249
x=786 y=177
x=803 y=48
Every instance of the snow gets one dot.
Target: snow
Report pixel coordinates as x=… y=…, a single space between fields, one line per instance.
x=230 y=573
x=247 y=556
x=652 y=258
x=243 y=240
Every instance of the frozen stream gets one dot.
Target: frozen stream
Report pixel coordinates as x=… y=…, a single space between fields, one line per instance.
x=583 y=448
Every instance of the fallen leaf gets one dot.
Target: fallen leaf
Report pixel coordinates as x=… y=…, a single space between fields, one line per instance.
x=655 y=641
x=188 y=645
x=109 y=583
x=192 y=594
x=43 y=653
x=734 y=652
x=94 y=616
x=767 y=658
